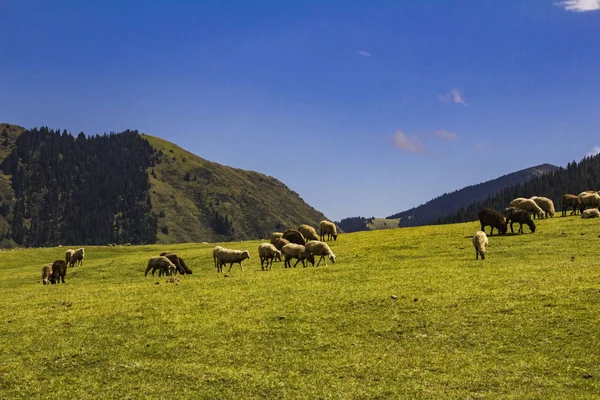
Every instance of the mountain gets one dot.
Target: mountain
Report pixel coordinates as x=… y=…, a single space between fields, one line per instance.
x=451 y=202
x=574 y=179
x=131 y=188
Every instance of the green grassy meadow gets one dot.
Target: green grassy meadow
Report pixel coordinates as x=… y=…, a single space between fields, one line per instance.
x=403 y=314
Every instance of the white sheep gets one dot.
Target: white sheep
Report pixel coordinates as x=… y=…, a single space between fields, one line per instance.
x=516 y=201
x=275 y=236
x=328 y=228
x=299 y=252
x=308 y=232
x=229 y=256
x=68 y=254
x=321 y=249
x=480 y=240
x=545 y=204
x=530 y=206
x=589 y=200
x=215 y=252
x=162 y=264
x=590 y=213
x=47 y=274
x=268 y=252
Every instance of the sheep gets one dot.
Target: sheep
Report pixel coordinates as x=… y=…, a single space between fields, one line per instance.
x=516 y=201
x=68 y=255
x=279 y=243
x=494 y=219
x=59 y=270
x=162 y=264
x=275 y=236
x=322 y=249
x=299 y=252
x=545 y=204
x=225 y=256
x=328 y=228
x=586 y=192
x=267 y=252
x=77 y=257
x=520 y=216
x=47 y=277
x=308 y=232
x=590 y=213
x=531 y=207
x=480 y=240
x=570 y=200
x=182 y=268
x=215 y=253
x=589 y=200
x=294 y=236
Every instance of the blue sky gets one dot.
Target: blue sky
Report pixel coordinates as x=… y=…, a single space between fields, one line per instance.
x=363 y=108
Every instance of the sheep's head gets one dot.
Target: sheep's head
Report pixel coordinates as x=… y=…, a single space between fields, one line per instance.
x=277 y=255
x=331 y=257
x=531 y=226
x=335 y=237
x=311 y=259
x=246 y=254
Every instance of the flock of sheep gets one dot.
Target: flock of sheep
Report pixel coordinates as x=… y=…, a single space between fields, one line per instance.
x=302 y=244
x=521 y=210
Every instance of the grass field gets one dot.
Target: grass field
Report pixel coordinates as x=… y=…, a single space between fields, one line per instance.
x=404 y=313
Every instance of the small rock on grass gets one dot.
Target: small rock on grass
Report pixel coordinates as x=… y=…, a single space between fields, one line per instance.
x=394 y=297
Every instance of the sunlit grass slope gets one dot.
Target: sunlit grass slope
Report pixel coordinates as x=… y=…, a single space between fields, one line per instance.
x=404 y=313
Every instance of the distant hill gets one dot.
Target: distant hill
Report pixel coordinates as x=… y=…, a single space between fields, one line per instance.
x=451 y=202
x=130 y=188
x=575 y=178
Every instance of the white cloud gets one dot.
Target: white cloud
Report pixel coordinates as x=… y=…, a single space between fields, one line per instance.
x=403 y=142
x=580 y=5
x=453 y=96
x=595 y=151
x=444 y=134
x=364 y=53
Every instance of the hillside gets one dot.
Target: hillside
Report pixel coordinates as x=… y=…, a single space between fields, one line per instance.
x=451 y=202
x=402 y=314
x=575 y=178
x=199 y=200
x=131 y=188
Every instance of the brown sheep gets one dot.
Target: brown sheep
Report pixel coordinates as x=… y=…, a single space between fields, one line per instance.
x=520 y=216
x=59 y=270
x=308 y=232
x=275 y=236
x=570 y=201
x=494 y=219
x=77 y=257
x=328 y=228
x=47 y=274
x=178 y=262
x=279 y=243
x=294 y=236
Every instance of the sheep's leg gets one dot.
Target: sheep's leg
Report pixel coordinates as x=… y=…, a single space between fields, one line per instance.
x=241 y=267
x=476 y=254
x=230 y=265
x=297 y=261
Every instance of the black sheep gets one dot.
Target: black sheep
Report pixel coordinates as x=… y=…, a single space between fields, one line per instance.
x=493 y=218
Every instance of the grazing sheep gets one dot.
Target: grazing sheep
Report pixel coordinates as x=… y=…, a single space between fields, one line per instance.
x=294 y=236
x=480 y=240
x=545 y=204
x=275 y=236
x=279 y=243
x=516 y=201
x=267 y=252
x=321 y=249
x=328 y=228
x=520 y=216
x=162 y=264
x=215 y=255
x=308 y=232
x=570 y=200
x=225 y=256
x=586 y=192
x=68 y=255
x=590 y=213
x=531 y=207
x=299 y=252
x=589 y=200
x=59 y=270
x=47 y=274
x=178 y=262
x=77 y=257
x=493 y=218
